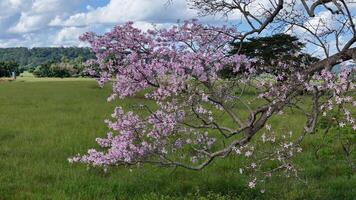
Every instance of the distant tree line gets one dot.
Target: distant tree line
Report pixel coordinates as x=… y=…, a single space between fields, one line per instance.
x=31 y=58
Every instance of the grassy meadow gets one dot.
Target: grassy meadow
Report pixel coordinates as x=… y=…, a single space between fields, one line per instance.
x=45 y=121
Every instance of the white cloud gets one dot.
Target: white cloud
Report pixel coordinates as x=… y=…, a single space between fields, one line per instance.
x=37 y=15
x=25 y=22
x=69 y=36
x=119 y=11
x=28 y=23
x=28 y=40
x=322 y=22
x=11 y=7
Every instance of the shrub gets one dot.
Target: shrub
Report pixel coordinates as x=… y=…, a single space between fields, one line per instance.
x=62 y=70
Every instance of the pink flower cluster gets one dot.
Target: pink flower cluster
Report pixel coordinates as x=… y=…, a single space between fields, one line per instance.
x=164 y=58
x=165 y=61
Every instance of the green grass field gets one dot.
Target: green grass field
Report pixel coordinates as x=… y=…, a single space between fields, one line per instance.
x=45 y=121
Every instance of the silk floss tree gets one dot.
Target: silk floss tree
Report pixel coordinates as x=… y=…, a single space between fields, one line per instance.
x=191 y=116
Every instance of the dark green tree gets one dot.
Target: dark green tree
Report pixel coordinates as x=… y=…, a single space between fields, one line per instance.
x=65 y=68
x=43 y=70
x=78 y=66
x=6 y=68
x=276 y=54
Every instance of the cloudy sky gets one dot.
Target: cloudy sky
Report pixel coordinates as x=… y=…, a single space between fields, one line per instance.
x=38 y=23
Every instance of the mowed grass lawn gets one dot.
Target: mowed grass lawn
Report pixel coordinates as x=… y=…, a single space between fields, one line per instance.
x=45 y=121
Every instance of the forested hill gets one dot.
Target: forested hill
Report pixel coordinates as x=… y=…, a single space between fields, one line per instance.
x=28 y=58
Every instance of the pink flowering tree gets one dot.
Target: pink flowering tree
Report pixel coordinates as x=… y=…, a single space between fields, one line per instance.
x=190 y=116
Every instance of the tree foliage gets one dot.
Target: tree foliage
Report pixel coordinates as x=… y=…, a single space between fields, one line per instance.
x=7 y=68
x=66 y=68
x=192 y=116
x=273 y=54
x=178 y=69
